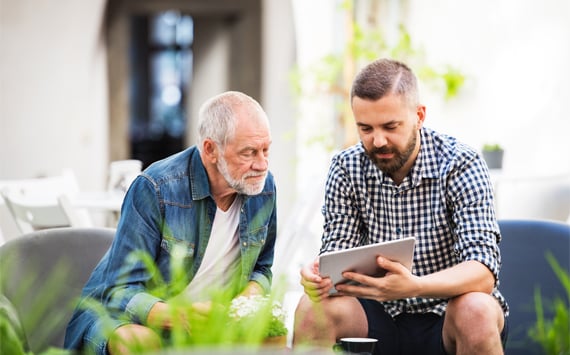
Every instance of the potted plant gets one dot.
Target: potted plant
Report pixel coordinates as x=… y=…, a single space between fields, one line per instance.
x=493 y=155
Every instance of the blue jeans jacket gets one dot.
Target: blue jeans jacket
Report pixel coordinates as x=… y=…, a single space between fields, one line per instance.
x=168 y=206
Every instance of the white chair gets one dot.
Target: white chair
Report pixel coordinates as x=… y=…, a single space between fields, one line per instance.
x=122 y=173
x=32 y=213
x=39 y=203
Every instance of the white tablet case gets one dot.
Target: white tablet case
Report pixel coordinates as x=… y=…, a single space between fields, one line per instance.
x=363 y=259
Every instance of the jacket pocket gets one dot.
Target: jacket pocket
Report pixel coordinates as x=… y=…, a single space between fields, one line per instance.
x=177 y=247
x=258 y=236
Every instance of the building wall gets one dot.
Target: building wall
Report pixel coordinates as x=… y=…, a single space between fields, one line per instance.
x=53 y=89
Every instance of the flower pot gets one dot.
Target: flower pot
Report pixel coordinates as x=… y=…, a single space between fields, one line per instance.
x=279 y=341
x=493 y=158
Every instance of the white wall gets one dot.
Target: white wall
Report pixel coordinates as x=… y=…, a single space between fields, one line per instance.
x=516 y=54
x=53 y=94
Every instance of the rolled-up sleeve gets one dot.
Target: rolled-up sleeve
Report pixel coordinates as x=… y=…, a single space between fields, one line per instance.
x=474 y=216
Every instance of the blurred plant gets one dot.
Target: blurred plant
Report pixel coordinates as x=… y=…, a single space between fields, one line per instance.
x=232 y=321
x=492 y=147
x=40 y=314
x=333 y=74
x=225 y=326
x=553 y=335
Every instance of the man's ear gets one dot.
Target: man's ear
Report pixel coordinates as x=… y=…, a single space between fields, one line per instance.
x=211 y=150
x=421 y=115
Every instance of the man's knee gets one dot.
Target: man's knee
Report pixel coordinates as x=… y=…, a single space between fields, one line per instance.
x=472 y=320
x=474 y=308
x=329 y=319
x=309 y=314
x=330 y=310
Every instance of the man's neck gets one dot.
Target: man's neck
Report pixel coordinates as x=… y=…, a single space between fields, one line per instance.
x=225 y=201
x=401 y=174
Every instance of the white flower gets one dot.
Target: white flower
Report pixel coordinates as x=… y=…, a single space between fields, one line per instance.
x=248 y=306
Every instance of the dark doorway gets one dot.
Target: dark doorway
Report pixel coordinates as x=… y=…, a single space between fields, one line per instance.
x=160 y=62
x=165 y=58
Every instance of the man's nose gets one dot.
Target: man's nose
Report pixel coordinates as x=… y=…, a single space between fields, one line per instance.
x=261 y=162
x=379 y=139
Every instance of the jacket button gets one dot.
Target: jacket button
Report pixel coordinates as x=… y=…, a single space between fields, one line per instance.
x=244 y=244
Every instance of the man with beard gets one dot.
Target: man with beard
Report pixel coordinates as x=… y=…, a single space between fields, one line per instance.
x=405 y=180
x=214 y=204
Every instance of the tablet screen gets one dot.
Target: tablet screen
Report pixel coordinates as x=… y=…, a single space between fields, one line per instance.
x=363 y=259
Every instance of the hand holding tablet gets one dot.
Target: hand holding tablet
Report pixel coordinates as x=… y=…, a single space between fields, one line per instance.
x=363 y=259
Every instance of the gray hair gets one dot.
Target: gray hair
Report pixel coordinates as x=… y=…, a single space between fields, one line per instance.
x=218 y=115
x=384 y=77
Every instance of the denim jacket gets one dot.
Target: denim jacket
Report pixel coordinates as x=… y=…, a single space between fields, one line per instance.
x=168 y=206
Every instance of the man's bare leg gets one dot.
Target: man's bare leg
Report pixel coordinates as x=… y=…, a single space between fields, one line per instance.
x=473 y=324
x=321 y=323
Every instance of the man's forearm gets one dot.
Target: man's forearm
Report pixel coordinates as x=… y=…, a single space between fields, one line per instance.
x=468 y=276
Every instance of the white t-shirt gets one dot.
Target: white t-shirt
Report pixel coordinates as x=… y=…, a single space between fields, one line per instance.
x=221 y=257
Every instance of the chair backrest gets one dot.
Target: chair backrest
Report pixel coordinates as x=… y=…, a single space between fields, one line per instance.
x=524 y=246
x=33 y=213
x=41 y=203
x=122 y=173
x=43 y=273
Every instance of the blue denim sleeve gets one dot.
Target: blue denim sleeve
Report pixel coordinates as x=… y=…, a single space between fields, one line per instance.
x=264 y=223
x=262 y=273
x=138 y=234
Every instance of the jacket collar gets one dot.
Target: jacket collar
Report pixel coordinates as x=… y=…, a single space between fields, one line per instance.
x=199 y=183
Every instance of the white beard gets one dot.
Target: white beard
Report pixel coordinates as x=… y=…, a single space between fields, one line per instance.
x=241 y=186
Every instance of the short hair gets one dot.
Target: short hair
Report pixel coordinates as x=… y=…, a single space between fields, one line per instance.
x=384 y=77
x=218 y=115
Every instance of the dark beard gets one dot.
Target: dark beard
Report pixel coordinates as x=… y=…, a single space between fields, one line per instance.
x=390 y=166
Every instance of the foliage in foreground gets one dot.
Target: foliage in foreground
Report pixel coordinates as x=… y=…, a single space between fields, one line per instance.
x=232 y=321
x=553 y=335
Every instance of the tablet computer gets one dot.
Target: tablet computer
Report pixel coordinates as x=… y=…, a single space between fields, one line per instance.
x=363 y=259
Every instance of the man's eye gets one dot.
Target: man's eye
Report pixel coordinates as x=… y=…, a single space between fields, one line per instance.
x=248 y=153
x=365 y=129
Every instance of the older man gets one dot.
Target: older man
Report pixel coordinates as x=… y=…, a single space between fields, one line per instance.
x=216 y=202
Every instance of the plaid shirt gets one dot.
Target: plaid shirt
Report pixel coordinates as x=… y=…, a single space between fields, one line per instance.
x=445 y=202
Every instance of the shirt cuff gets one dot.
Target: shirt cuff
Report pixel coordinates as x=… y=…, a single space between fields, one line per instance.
x=97 y=336
x=262 y=280
x=139 y=306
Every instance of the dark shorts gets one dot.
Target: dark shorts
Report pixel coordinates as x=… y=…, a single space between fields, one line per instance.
x=407 y=333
